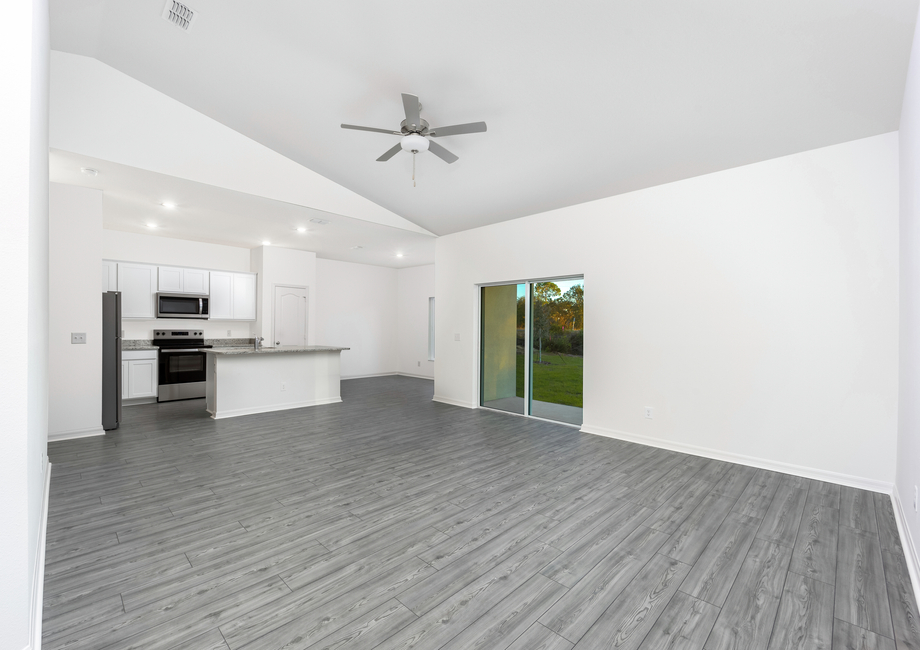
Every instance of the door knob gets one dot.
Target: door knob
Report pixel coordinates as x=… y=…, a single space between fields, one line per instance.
x=277 y=342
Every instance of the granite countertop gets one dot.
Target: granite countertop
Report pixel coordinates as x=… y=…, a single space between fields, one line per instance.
x=267 y=350
x=147 y=344
x=137 y=344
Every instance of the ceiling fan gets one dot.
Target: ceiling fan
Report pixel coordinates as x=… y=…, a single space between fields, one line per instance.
x=415 y=132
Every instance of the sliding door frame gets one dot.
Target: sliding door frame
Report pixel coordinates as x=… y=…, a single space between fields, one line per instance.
x=528 y=348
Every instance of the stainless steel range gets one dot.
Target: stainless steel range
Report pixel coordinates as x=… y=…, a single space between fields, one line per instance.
x=181 y=368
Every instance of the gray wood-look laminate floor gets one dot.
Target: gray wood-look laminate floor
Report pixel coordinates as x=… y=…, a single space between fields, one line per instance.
x=390 y=521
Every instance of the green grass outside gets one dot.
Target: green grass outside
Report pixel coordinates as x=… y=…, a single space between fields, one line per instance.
x=559 y=382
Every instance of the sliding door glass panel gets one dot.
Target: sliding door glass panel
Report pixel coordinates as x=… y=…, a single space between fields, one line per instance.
x=557 y=335
x=502 y=380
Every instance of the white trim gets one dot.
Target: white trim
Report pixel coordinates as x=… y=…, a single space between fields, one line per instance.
x=907 y=543
x=452 y=402
x=73 y=434
x=409 y=374
x=274 y=407
x=762 y=463
x=378 y=374
x=38 y=578
x=135 y=401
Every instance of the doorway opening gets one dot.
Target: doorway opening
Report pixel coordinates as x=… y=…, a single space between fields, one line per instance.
x=532 y=348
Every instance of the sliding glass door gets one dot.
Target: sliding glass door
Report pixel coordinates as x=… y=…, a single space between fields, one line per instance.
x=557 y=350
x=502 y=378
x=532 y=348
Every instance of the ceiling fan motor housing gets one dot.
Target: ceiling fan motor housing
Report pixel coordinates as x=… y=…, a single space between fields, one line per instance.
x=407 y=128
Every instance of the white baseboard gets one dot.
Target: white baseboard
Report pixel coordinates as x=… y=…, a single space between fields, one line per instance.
x=134 y=401
x=777 y=466
x=274 y=407
x=452 y=402
x=379 y=374
x=907 y=542
x=76 y=433
x=409 y=374
x=38 y=577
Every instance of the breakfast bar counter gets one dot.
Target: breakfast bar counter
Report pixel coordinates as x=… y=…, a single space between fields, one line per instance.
x=243 y=380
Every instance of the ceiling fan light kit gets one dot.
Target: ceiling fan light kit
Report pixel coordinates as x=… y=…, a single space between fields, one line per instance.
x=414 y=143
x=416 y=134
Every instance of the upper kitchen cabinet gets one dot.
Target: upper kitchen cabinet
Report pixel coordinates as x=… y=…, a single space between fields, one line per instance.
x=233 y=296
x=109 y=276
x=138 y=286
x=177 y=280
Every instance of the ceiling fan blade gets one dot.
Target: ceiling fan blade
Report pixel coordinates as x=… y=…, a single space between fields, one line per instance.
x=441 y=152
x=410 y=103
x=390 y=153
x=370 y=128
x=457 y=129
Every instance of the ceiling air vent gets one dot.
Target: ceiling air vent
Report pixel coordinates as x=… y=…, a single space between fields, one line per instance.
x=178 y=14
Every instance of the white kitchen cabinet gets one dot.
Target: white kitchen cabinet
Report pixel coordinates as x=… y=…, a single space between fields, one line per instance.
x=233 y=296
x=138 y=286
x=244 y=296
x=109 y=276
x=177 y=280
x=196 y=281
x=171 y=279
x=221 y=303
x=139 y=374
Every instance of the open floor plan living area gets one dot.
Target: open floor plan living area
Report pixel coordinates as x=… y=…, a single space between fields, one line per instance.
x=481 y=326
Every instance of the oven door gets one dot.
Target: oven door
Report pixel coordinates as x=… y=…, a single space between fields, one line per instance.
x=181 y=374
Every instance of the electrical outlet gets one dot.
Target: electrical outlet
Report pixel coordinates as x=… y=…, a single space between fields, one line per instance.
x=915 y=498
x=282 y=386
x=456 y=337
x=419 y=364
x=648 y=412
x=228 y=332
x=77 y=337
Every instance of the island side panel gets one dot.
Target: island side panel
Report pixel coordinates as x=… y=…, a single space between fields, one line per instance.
x=210 y=392
x=259 y=383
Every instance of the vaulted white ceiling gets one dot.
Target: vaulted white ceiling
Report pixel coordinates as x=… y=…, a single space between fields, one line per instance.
x=583 y=99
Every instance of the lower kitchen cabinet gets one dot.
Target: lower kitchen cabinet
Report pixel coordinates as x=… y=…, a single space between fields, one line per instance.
x=139 y=375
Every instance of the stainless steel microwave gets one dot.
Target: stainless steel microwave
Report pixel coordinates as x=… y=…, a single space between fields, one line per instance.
x=182 y=305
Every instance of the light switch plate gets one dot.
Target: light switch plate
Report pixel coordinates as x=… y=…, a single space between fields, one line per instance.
x=456 y=337
x=77 y=337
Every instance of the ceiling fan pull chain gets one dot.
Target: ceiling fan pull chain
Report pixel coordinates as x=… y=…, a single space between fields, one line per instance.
x=413 y=168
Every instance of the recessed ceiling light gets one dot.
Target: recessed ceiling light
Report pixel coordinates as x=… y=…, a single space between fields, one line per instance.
x=151 y=225
x=322 y=222
x=89 y=171
x=301 y=229
x=168 y=205
x=265 y=242
x=399 y=254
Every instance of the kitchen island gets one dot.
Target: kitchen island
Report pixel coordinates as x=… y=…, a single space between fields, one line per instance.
x=243 y=380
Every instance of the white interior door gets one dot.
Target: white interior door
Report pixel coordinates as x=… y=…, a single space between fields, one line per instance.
x=290 y=322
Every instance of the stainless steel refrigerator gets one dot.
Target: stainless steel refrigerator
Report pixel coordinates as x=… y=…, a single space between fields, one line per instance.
x=111 y=360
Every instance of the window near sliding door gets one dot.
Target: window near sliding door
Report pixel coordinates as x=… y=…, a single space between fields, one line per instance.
x=431 y=329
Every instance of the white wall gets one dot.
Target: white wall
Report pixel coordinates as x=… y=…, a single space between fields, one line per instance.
x=277 y=266
x=103 y=113
x=356 y=308
x=166 y=251
x=908 y=464
x=755 y=309
x=415 y=285
x=75 y=305
x=24 y=358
